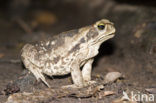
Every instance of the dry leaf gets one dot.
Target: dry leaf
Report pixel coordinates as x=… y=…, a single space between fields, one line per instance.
x=43 y=18
x=1 y=55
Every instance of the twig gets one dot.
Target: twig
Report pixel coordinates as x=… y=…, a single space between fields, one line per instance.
x=24 y=26
x=13 y=61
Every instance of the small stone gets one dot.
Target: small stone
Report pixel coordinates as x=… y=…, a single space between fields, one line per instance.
x=112 y=76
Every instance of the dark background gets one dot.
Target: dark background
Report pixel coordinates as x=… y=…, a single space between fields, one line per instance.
x=132 y=51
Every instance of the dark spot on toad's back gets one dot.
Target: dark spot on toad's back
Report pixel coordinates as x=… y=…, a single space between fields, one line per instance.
x=92 y=34
x=56 y=59
x=55 y=67
x=59 y=41
x=70 y=33
x=75 y=48
x=82 y=40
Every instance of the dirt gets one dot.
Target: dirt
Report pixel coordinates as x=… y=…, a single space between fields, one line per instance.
x=132 y=51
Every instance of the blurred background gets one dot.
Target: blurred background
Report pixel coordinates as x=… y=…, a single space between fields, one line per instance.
x=132 y=51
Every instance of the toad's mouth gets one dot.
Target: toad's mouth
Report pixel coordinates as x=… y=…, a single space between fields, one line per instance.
x=106 y=37
x=103 y=38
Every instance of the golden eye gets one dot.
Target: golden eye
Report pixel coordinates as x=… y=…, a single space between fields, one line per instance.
x=101 y=26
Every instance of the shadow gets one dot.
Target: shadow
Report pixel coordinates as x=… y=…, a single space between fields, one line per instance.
x=106 y=49
x=58 y=76
x=138 y=2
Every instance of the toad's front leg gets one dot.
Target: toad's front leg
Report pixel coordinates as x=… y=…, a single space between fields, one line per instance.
x=86 y=72
x=76 y=77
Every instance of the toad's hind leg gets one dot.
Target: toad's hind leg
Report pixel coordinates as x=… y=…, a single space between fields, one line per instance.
x=36 y=71
x=27 y=55
x=38 y=74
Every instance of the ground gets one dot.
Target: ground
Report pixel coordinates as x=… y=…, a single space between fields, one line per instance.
x=131 y=52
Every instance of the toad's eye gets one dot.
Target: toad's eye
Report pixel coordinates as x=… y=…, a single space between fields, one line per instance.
x=101 y=26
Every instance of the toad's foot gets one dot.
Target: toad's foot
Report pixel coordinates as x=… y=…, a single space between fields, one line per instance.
x=91 y=82
x=71 y=86
x=76 y=86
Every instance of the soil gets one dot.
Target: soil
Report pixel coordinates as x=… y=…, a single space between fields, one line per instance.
x=131 y=52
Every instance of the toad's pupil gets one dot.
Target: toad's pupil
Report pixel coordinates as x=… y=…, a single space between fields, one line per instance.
x=101 y=27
